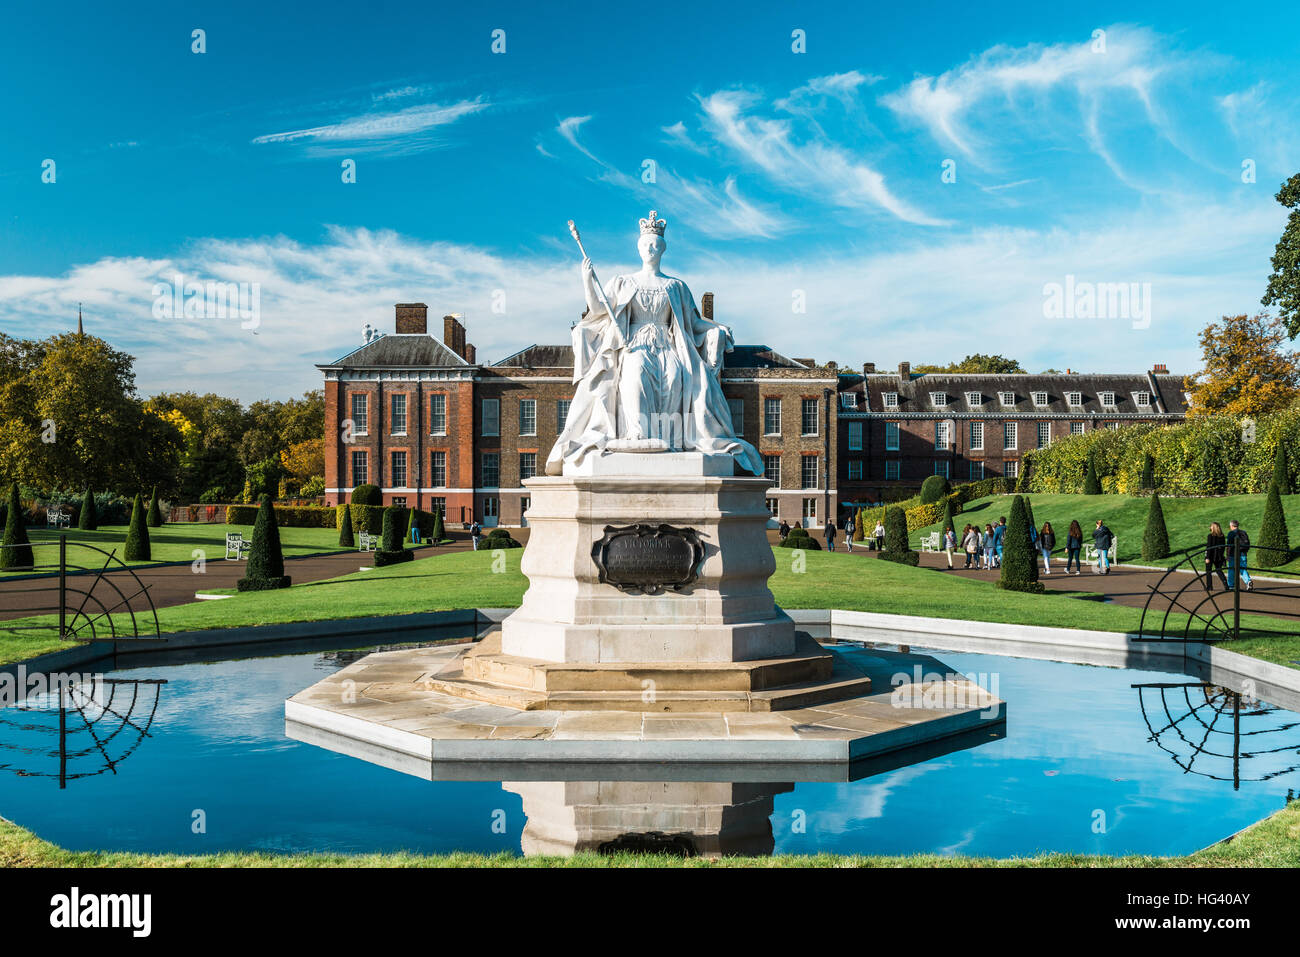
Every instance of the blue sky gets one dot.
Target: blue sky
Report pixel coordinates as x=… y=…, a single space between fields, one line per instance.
x=811 y=178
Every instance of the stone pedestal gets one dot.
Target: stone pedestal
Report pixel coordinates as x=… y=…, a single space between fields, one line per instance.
x=726 y=614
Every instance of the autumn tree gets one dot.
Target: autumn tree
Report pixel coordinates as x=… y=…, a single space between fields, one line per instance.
x=1247 y=371
x=1284 y=284
x=305 y=459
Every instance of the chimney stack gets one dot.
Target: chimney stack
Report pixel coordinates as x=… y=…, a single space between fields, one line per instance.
x=706 y=305
x=905 y=370
x=1160 y=369
x=470 y=353
x=868 y=368
x=453 y=334
x=412 y=319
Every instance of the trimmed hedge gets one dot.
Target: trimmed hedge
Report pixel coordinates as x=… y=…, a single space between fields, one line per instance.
x=367 y=495
x=154 y=519
x=934 y=488
x=1155 y=538
x=1274 y=545
x=799 y=538
x=137 y=534
x=1019 y=564
x=391 y=550
x=897 y=548
x=303 y=516
x=265 y=569
x=86 y=519
x=499 y=538
x=17 y=552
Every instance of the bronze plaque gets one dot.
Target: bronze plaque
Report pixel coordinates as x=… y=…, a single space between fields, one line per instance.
x=648 y=558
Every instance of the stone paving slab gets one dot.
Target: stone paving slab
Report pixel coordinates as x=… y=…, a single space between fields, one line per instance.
x=377 y=702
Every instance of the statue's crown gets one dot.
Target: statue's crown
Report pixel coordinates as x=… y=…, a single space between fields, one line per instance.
x=652 y=225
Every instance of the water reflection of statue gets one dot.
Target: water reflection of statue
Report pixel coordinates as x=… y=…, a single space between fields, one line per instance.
x=646 y=366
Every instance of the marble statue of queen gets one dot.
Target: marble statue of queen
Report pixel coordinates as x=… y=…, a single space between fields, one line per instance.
x=646 y=367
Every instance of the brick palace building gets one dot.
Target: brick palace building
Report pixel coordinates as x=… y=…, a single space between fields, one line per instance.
x=435 y=429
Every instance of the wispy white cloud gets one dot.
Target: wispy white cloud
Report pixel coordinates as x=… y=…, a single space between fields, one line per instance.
x=817 y=167
x=382 y=129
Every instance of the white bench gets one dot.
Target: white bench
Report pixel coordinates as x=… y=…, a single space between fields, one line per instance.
x=367 y=542
x=236 y=546
x=1090 y=551
x=57 y=518
x=931 y=542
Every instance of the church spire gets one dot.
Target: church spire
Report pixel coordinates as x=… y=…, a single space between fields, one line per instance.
x=80 y=330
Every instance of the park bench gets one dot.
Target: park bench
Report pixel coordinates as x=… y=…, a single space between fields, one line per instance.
x=930 y=543
x=1090 y=551
x=367 y=542
x=236 y=547
x=57 y=518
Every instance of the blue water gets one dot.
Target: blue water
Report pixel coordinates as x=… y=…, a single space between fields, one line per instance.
x=1076 y=771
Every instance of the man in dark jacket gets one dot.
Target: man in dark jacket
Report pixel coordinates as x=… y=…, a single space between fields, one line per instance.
x=830 y=535
x=1101 y=539
x=784 y=529
x=1238 y=543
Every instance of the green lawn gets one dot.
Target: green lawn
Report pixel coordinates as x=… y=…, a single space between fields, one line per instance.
x=174 y=543
x=1186 y=519
x=1273 y=842
x=478 y=579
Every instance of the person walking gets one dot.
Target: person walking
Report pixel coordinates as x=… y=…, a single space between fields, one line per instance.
x=1237 y=543
x=999 y=533
x=1101 y=539
x=970 y=543
x=989 y=544
x=949 y=543
x=1047 y=542
x=475 y=531
x=784 y=529
x=879 y=535
x=849 y=528
x=830 y=535
x=1073 y=545
x=1215 y=556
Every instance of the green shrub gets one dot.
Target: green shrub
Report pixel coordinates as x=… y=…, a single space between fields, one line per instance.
x=154 y=518
x=367 y=495
x=1281 y=471
x=295 y=516
x=1274 y=545
x=1155 y=539
x=137 y=534
x=87 y=520
x=346 y=538
x=437 y=533
x=500 y=538
x=799 y=538
x=391 y=551
x=1148 y=482
x=1019 y=565
x=933 y=489
x=950 y=509
x=17 y=551
x=410 y=524
x=1091 y=481
x=897 y=548
x=265 y=569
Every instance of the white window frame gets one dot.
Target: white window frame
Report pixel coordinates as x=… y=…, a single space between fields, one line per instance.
x=561 y=414
x=775 y=480
x=1078 y=428
x=1138 y=397
x=434 y=467
x=942 y=436
x=803 y=416
x=527 y=411
x=977 y=443
x=976 y=469
x=1074 y=399
x=890 y=399
x=483 y=473
x=522 y=456
x=1107 y=400
x=438 y=413
x=1011 y=469
x=392 y=468
x=1007 y=398
x=810 y=509
x=939 y=400
x=816 y=471
x=769 y=404
x=1042 y=400
x=974 y=398
x=849 y=401
x=360 y=417
x=1011 y=429
x=393 y=402
x=1038 y=435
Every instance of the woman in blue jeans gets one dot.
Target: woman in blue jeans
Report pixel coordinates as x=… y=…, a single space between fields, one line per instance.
x=1073 y=546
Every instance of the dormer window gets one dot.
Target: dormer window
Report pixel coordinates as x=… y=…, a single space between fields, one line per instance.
x=938 y=399
x=974 y=399
x=1075 y=399
x=1007 y=398
x=1142 y=399
x=1040 y=399
x=1108 y=400
x=890 y=399
x=849 y=400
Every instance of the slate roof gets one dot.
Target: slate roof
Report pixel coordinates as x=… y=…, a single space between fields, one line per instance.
x=399 y=351
x=561 y=357
x=915 y=394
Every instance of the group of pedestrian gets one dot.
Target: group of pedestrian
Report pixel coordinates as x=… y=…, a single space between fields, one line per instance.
x=983 y=548
x=1219 y=551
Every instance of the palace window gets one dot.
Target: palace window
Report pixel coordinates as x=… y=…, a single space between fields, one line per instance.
x=1044 y=434
x=855 y=436
x=893 y=468
x=398 y=409
x=849 y=401
x=438 y=469
x=491 y=507
x=737 y=409
x=810 y=417
x=491 y=470
x=491 y=417
x=438 y=414
x=397 y=476
x=527 y=416
x=772 y=505
x=772 y=469
x=1040 y=399
x=1076 y=428
x=810 y=471
x=1011 y=469
x=891 y=436
x=1008 y=436
x=855 y=470
x=1108 y=400
x=527 y=465
x=939 y=399
x=976 y=469
x=360 y=414
x=1007 y=398
x=890 y=399
x=438 y=505
x=1142 y=399
x=974 y=398
x=810 y=510
x=360 y=468
x=1075 y=399
x=771 y=416
x=941 y=467
x=561 y=414
x=977 y=435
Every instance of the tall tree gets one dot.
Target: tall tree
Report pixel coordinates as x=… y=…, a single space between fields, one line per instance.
x=1247 y=371
x=977 y=363
x=1284 y=284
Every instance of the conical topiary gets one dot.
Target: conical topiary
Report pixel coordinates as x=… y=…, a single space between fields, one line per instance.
x=1148 y=482
x=860 y=526
x=1019 y=567
x=265 y=569
x=88 y=520
x=896 y=545
x=438 y=533
x=391 y=550
x=17 y=550
x=346 y=538
x=947 y=521
x=1281 y=470
x=1274 y=545
x=137 y=534
x=155 y=518
x=410 y=524
x=1155 y=540
x=1091 y=482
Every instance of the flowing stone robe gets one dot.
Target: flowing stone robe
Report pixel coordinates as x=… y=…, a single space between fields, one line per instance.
x=600 y=348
